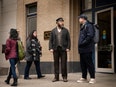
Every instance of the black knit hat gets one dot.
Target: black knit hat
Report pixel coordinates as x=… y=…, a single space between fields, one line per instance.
x=59 y=19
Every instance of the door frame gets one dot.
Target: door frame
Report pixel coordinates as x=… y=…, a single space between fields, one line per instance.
x=106 y=70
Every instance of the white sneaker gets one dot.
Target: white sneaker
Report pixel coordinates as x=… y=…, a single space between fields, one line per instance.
x=92 y=81
x=82 y=80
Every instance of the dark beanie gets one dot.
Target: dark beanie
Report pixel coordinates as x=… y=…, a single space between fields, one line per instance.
x=83 y=16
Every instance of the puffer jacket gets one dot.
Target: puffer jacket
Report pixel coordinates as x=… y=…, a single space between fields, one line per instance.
x=11 y=49
x=86 y=43
x=33 y=50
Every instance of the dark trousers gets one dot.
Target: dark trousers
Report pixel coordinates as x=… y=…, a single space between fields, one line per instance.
x=28 y=66
x=87 y=64
x=59 y=54
x=12 y=71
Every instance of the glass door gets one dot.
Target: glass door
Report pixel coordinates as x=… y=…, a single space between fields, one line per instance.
x=105 y=47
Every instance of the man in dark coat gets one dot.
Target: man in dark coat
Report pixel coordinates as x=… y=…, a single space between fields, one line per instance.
x=85 y=47
x=59 y=45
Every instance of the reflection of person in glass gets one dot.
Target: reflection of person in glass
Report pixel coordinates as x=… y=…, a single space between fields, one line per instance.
x=59 y=44
x=33 y=53
x=86 y=46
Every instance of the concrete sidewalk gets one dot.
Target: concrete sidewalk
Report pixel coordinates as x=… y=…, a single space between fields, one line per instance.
x=103 y=80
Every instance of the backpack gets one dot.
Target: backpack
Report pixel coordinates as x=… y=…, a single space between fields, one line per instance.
x=96 y=32
x=96 y=36
x=21 y=51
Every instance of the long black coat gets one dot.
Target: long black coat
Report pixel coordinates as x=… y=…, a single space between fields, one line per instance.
x=53 y=41
x=33 y=50
x=86 y=43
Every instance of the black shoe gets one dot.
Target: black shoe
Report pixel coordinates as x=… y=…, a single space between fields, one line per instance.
x=55 y=80
x=15 y=82
x=27 y=78
x=41 y=77
x=7 y=81
x=65 y=80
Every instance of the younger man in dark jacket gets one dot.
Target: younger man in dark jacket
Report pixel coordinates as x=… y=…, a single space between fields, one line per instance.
x=85 y=47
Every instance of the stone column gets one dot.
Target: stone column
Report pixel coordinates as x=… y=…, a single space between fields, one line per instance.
x=0 y=13
x=74 y=32
x=8 y=9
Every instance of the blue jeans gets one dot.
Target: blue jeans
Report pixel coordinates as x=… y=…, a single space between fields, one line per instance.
x=27 y=68
x=13 y=62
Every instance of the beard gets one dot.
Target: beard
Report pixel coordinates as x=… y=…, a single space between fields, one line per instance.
x=60 y=25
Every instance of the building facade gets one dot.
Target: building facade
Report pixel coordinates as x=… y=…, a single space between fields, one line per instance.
x=28 y=15
x=8 y=12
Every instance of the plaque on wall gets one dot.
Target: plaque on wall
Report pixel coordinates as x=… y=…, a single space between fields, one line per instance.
x=47 y=35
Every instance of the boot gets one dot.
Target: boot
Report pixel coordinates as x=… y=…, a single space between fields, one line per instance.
x=56 y=78
x=7 y=81
x=65 y=79
x=15 y=82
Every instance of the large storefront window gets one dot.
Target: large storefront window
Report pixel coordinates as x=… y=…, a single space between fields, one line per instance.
x=89 y=15
x=87 y=4
x=87 y=8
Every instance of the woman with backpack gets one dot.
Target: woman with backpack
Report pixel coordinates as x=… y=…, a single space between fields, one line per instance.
x=33 y=53
x=11 y=55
